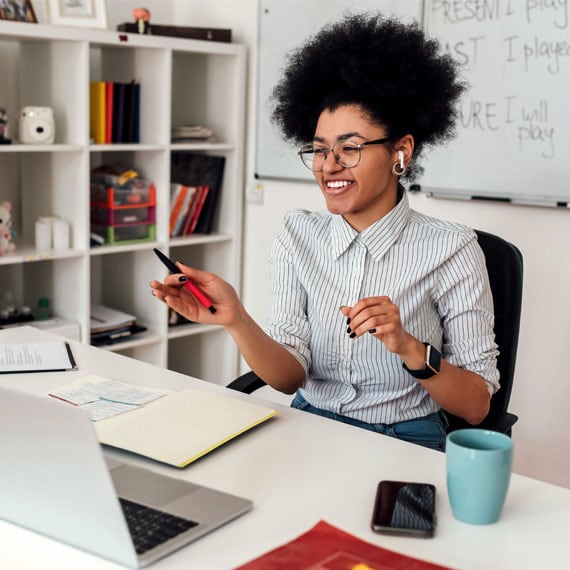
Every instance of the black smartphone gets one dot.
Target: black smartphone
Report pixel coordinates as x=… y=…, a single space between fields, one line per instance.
x=404 y=508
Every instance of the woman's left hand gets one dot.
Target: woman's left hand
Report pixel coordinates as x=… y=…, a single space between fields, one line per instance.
x=381 y=318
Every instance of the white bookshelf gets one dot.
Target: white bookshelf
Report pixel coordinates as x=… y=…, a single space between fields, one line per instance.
x=182 y=81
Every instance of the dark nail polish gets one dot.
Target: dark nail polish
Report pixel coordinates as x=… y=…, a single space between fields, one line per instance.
x=348 y=321
x=182 y=278
x=352 y=335
x=348 y=330
x=372 y=331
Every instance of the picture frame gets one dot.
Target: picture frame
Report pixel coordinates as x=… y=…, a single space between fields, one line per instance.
x=18 y=11
x=83 y=13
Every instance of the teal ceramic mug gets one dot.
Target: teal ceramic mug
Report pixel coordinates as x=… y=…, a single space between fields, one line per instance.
x=478 y=473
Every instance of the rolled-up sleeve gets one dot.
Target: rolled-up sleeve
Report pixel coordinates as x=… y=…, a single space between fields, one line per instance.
x=466 y=305
x=288 y=323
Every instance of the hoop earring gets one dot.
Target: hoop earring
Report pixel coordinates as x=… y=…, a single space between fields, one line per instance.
x=398 y=168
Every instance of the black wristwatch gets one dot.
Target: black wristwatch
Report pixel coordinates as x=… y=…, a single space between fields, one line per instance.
x=433 y=362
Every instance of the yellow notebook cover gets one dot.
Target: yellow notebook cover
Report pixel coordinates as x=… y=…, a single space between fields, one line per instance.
x=183 y=426
x=178 y=427
x=97 y=111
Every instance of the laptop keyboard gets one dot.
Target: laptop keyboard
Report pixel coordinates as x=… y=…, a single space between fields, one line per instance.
x=149 y=527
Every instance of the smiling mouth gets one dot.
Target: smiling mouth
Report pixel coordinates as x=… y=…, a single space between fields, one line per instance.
x=337 y=186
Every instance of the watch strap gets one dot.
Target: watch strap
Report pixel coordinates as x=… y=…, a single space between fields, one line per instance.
x=432 y=366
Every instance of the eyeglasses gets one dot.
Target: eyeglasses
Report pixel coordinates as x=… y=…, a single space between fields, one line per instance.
x=346 y=153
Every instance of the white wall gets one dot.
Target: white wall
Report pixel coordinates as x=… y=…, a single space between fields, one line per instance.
x=541 y=394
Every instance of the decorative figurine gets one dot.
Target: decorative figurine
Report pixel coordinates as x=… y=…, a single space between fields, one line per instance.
x=6 y=233
x=142 y=19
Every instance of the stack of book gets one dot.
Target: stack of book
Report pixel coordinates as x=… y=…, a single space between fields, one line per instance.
x=114 y=112
x=192 y=133
x=186 y=203
x=195 y=171
x=109 y=325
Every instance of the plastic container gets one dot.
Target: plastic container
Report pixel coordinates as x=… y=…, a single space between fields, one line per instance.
x=117 y=216
x=108 y=192
x=124 y=234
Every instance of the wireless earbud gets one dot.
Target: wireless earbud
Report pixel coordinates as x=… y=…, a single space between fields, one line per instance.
x=401 y=159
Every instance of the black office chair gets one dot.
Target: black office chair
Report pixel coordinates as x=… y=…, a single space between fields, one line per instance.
x=505 y=268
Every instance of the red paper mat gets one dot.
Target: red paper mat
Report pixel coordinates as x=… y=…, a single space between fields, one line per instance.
x=326 y=547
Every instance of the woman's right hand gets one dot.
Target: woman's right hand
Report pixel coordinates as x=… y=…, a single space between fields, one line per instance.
x=177 y=296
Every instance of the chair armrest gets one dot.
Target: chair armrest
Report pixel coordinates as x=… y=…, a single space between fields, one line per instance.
x=501 y=422
x=247 y=383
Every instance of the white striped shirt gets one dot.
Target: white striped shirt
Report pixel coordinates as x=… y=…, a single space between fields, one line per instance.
x=433 y=270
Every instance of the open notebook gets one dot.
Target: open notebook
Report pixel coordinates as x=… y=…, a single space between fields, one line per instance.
x=178 y=427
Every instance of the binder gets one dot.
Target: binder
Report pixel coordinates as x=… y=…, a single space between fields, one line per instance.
x=36 y=357
x=108 y=112
x=97 y=111
x=136 y=122
x=131 y=110
x=118 y=111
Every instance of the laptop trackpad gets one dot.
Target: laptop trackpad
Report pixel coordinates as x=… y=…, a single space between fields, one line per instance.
x=147 y=487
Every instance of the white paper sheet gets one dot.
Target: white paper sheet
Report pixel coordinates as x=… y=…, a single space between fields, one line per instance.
x=36 y=357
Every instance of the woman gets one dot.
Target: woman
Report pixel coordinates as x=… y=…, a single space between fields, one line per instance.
x=380 y=316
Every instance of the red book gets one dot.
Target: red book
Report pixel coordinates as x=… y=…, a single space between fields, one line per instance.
x=329 y=548
x=202 y=194
x=189 y=210
x=108 y=112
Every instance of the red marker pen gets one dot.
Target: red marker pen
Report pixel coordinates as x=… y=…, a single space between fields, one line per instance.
x=173 y=268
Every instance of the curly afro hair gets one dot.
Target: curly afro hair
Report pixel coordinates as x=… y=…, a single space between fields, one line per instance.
x=392 y=70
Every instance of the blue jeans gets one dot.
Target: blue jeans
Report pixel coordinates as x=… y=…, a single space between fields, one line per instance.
x=428 y=431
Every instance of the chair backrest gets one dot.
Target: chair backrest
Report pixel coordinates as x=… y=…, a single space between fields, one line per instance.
x=505 y=267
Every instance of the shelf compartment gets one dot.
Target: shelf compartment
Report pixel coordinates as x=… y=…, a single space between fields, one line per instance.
x=121 y=280
x=36 y=73
x=150 y=67
x=199 y=356
x=210 y=102
x=45 y=184
x=61 y=280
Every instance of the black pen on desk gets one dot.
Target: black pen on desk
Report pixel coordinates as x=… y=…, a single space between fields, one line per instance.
x=173 y=268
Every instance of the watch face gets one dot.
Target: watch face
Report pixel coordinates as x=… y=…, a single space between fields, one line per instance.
x=432 y=366
x=433 y=358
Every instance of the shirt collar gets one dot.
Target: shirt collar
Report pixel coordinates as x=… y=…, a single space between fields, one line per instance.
x=378 y=237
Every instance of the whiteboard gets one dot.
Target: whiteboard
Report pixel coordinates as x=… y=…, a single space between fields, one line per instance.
x=514 y=130
x=283 y=26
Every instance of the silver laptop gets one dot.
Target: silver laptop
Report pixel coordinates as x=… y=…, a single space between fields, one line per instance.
x=54 y=479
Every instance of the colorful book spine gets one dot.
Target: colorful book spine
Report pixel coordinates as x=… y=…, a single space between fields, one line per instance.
x=175 y=190
x=114 y=112
x=97 y=111
x=118 y=111
x=191 y=205
x=184 y=212
x=108 y=112
x=203 y=193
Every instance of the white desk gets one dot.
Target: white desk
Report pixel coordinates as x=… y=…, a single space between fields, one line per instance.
x=299 y=468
